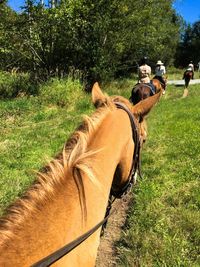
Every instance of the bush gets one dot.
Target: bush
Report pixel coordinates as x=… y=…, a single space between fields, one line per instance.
x=61 y=92
x=12 y=85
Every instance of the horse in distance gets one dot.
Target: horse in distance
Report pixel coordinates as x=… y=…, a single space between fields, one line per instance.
x=71 y=193
x=187 y=76
x=142 y=91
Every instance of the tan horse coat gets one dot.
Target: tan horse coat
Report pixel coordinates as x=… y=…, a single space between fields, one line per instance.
x=71 y=193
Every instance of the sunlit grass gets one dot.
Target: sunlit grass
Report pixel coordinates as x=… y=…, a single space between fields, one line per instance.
x=34 y=129
x=163 y=228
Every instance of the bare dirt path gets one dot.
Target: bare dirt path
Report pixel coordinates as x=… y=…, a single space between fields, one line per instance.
x=107 y=252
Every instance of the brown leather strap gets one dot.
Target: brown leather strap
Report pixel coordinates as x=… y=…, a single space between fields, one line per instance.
x=58 y=254
x=136 y=155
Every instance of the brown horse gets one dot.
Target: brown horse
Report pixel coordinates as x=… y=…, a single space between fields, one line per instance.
x=187 y=76
x=142 y=90
x=72 y=192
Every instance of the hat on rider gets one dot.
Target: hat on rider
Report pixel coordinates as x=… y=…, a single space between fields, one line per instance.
x=159 y=62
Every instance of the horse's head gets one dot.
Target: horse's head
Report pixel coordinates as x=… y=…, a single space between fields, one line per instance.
x=132 y=130
x=139 y=110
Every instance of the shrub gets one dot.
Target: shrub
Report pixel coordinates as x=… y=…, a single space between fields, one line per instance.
x=12 y=85
x=61 y=92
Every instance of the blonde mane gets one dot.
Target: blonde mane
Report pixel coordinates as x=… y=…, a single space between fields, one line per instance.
x=71 y=161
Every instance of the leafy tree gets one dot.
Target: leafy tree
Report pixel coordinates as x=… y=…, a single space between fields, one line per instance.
x=96 y=38
x=7 y=45
x=188 y=48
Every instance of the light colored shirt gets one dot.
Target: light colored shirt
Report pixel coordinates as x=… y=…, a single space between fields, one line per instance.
x=190 y=67
x=160 y=70
x=144 y=73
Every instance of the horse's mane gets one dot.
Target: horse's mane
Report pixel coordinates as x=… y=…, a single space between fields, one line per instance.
x=73 y=160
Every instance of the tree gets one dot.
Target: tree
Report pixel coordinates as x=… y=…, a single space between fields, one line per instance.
x=188 y=48
x=98 y=38
x=7 y=47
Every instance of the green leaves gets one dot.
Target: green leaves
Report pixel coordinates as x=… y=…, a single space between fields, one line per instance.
x=189 y=47
x=96 y=37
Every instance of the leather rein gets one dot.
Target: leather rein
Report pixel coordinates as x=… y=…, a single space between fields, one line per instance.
x=58 y=254
x=136 y=154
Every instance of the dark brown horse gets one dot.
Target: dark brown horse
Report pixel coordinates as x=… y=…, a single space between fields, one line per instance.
x=142 y=90
x=187 y=76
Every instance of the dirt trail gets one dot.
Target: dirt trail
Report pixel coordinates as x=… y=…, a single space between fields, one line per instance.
x=182 y=82
x=107 y=253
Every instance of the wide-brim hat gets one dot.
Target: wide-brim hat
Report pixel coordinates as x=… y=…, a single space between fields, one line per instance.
x=159 y=62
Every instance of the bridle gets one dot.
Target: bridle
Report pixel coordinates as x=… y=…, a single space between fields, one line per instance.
x=58 y=254
x=136 y=154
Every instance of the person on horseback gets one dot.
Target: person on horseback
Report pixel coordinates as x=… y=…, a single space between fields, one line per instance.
x=144 y=74
x=160 y=71
x=190 y=68
x=144 y=88
x=144 y=71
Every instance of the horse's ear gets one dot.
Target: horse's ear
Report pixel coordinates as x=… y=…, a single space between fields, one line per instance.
x=142 y=108
x=98 y=98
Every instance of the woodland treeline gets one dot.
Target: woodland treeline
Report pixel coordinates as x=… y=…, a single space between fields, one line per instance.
x=94 y=39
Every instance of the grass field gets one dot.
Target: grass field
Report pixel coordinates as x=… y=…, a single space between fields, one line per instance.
x=34 y=129
x=163 y=225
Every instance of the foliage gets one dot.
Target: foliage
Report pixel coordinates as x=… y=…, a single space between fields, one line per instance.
x=61 y=92
x=188 y=48
x=12 y=85
x=99 y=38
x=8 y=51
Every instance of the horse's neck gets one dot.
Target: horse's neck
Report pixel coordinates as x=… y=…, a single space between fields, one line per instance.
x=111 y=140
x=42 y=230
x=59 y=220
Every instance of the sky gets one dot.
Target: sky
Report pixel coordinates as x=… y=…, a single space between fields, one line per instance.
x=188 y=9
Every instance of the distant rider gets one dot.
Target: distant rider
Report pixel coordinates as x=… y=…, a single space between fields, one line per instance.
x=144 y=75
x=190 y=67
x=144 y=71
x=160 y=71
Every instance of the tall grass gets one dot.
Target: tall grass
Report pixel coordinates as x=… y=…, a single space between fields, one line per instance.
x=34 y=129
x=15 y=84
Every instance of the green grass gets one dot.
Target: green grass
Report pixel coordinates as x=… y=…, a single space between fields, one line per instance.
x=163 y=225
x=34 y=129
x=177 y=74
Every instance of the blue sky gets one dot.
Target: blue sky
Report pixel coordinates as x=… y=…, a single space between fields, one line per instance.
x=188 y=9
